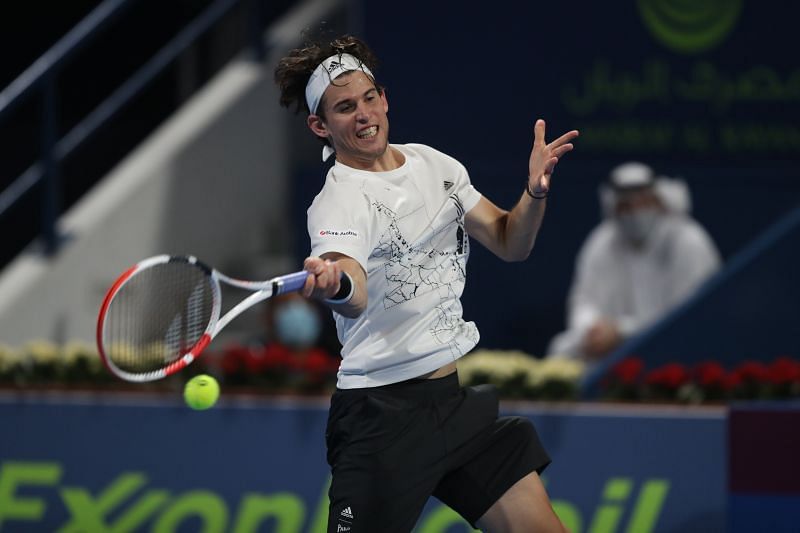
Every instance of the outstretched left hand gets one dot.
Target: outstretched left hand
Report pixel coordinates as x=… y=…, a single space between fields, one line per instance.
x=544 y=158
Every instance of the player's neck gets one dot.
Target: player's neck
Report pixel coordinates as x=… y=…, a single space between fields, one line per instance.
x=391 y=159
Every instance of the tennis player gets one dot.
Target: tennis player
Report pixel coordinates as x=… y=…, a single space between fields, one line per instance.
x=389 y=247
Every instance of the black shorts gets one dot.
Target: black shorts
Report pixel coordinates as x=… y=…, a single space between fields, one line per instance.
x=390 y=448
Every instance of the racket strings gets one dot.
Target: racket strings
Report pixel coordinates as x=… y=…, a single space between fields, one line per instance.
x=157 y=316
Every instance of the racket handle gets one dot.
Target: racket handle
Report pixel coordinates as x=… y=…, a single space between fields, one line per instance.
x=289 y=282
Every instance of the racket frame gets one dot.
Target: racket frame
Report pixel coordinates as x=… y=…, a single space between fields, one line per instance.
x=262 y=290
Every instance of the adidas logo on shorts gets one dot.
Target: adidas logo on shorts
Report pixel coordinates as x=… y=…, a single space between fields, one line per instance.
x=347 y=513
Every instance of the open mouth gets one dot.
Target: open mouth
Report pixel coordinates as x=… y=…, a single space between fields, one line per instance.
x=368 y=133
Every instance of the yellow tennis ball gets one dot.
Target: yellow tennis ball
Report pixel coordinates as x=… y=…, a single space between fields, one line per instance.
x=201 y=392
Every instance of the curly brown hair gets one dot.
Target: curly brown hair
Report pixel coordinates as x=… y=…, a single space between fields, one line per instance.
x=294 y=70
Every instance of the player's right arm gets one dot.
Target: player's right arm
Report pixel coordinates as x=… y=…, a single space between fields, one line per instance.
x=325 y=283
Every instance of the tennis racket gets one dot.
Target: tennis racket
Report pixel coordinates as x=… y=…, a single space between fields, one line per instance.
x=161 y=313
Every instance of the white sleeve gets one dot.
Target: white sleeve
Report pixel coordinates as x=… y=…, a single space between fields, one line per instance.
x=586 y=294
x=467 y=194
x=695 y=260
x=339 y=221
x=582 y=311
x=447 y=165
x=567 y=344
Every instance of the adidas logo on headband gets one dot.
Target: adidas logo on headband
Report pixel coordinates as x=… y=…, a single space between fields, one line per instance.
x=334 y=65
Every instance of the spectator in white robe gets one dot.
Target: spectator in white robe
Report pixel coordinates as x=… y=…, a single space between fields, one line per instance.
x=647 y=256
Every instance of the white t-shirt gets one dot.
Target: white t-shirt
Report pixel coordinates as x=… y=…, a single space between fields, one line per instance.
x=405 y=227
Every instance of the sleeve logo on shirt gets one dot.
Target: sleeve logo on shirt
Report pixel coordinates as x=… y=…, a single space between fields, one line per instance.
x=338 y=233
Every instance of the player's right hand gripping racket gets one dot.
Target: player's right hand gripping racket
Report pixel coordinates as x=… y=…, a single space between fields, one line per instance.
x=162 y=312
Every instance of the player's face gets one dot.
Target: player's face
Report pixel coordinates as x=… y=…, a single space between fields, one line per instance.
x=355 y=121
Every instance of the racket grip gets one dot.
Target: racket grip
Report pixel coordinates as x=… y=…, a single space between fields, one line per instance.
x=290 y=282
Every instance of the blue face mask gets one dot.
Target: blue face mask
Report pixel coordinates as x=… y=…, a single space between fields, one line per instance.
x=637 y=226
x=296 y=324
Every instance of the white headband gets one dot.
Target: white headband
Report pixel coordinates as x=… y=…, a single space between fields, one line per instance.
x=326 y=72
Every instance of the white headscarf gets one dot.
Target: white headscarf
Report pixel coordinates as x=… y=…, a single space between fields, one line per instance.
x=673 y=192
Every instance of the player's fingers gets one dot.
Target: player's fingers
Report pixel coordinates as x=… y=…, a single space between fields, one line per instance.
x=550 y=166
x=567 y=137
x=328 y=279
x=315 y=265
x=308 y=287
x=323 y=279
x=336 y=276
x=336 y=272
x=563 y=149
x=538 y=132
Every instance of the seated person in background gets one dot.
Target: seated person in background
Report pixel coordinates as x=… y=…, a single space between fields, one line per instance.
x=293 y=352
x=647 y=256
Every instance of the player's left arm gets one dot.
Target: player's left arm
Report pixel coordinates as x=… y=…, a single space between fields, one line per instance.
x=510 y=234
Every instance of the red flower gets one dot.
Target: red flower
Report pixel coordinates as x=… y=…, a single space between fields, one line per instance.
x=318 y=363
x=748 y=378
x=709 y=374
x=628 y=370
x=670 y=376
x=275 y=357
x=752 y=372
x=783 y=371
x=239 y=359
x=731 y=381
